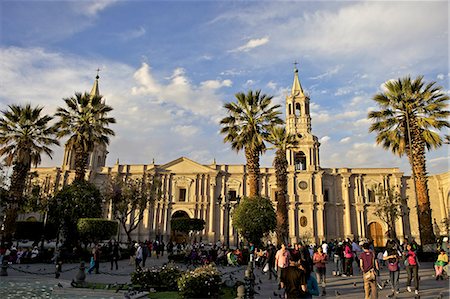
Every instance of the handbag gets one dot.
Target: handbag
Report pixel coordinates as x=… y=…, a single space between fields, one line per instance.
x=369 y=275
x=266 y=268
x=393 y=266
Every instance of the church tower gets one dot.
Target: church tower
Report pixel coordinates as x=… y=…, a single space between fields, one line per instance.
x=97 y=158
x=305 y=157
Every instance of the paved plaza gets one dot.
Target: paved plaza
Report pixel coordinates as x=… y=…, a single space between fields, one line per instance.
x=37 y=281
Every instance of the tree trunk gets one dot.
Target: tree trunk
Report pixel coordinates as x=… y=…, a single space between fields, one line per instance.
x=252 y=157
x=420 y=180
x=281 y=165
x=81 y=161
x=18 y=178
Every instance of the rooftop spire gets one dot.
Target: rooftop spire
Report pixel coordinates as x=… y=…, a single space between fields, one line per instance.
x=296 y=87
x=94 y=90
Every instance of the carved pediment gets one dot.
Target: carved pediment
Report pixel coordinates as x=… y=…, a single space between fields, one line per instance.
x=185 y=166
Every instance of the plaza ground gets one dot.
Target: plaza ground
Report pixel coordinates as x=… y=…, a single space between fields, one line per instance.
x=38 y=281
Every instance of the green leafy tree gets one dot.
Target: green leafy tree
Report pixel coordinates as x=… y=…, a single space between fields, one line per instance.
x=187 y=225
x=81 y=199
x=281 y=141
x=389 y=207
x=25 y=134
x=254 y=217
x=129 y=198
x=85 y=120
x=410 y=116
x=246 y=127
x=96 y=229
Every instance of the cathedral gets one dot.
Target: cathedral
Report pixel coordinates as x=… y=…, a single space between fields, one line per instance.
x=323 y=203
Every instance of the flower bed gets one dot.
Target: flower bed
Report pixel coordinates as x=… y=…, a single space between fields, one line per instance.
x=202 y=282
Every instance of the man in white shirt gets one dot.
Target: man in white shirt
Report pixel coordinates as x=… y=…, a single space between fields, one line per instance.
x=325 y=247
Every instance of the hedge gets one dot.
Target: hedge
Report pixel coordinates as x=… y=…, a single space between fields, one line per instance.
x=96 y=229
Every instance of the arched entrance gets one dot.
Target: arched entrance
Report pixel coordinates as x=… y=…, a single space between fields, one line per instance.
x=376 y=234
x=179 y=237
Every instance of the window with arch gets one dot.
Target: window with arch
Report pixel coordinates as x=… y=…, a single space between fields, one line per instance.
x=300 y=161
x=298 y=110
x=290 y=108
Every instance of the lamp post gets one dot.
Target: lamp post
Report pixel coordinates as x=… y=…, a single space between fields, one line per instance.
x=229 y=203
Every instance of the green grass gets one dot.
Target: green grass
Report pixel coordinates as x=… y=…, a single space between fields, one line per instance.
x=226 y=293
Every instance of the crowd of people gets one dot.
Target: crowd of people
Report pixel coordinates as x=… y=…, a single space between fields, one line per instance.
x=292 y=265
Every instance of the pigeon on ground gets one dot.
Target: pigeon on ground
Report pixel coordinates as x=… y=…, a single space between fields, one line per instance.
x=60 y=285
x=354 y=284
x=337 y=293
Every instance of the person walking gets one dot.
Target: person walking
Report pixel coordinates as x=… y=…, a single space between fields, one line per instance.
x=348 y=259
x=320 y=259
x=282 y=259
x=338 y=258
x=271 y=252
x=293 y=280
x=412 y=269
x=144 y=252
x=368 y=265
x=138 y=256
x=392 y=256
x=114 y=254
x=95 y=260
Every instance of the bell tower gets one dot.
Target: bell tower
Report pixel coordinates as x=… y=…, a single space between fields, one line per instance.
x=305 y=157
x=97 y=157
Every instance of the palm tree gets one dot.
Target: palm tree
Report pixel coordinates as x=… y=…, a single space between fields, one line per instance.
x=24 y=135
x=85 y=120
x=281 y=142
x=410 y=113
x=249 y=121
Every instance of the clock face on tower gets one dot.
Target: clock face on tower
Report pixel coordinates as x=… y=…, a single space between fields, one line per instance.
x=303 y=185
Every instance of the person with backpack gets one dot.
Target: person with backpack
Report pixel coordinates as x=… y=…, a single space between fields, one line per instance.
x=392 y=257
x=412 y=268
x=369 y=265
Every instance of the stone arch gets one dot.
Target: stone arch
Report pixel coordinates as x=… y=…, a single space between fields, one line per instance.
x=300 y=161
x=180 y=237
x=375 y=233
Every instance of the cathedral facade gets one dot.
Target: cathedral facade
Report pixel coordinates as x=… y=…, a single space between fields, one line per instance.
x=323 y=203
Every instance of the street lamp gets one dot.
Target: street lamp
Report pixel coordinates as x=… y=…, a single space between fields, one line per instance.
x=228 y=204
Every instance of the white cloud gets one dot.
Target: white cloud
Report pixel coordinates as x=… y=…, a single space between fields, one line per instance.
x=150 y=110
x=440 y=76
x=272 y=85
x=324 y=139
x=345 y=140
x=132 y=34
x=215 y=84
x=92 y=7
x=185 y=130
x=251 y=44
x=328 y=73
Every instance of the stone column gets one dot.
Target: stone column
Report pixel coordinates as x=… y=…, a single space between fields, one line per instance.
x=212 y=201
x=346 y=198
x=320 y=209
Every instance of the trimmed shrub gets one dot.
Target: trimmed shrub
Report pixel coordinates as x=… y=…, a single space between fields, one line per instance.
x=96 y=229
x=202 y=282
x=187 y=224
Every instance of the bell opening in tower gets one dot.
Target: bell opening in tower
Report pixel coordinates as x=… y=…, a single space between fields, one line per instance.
x=300 y=161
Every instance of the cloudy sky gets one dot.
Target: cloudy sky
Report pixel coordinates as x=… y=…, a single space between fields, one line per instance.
x=168 y=67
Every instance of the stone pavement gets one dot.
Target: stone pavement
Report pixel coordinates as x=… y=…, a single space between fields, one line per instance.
x=38 y=281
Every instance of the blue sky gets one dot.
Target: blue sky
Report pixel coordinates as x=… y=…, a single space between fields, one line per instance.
x=168 y=67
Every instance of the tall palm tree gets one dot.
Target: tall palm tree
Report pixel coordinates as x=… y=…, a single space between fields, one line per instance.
x=85 y=120
x=281 y=141
x=410 y=113
x=24 y=135
x=249 y=121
